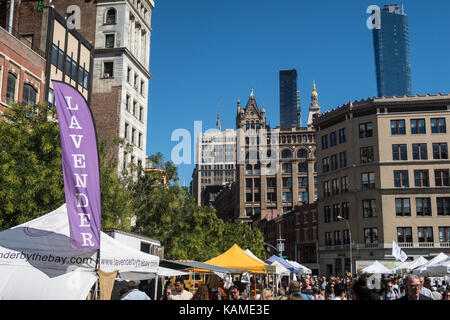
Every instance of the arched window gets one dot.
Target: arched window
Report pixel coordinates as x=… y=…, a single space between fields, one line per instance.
x=111 y=16
x=247 y=125
x=302 y=167
x=11 y=87
x=302 y=153
x=253 y=125
x=29 y=94
x=257 y=125
x=286 y=154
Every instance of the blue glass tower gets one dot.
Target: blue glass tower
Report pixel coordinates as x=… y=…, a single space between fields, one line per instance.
x=289 y=100
x=392 y=61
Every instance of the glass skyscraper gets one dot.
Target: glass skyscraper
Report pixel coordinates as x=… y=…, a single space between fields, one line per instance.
x=289 y=100
x=392 y=61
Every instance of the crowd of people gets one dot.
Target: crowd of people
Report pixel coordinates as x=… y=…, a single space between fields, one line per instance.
x=410 y=287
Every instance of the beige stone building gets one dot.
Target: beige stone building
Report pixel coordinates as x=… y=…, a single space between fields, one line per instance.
x=383 y=166
x=275 y=168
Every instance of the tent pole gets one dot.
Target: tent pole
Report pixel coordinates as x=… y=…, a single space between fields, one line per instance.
x=156 y=285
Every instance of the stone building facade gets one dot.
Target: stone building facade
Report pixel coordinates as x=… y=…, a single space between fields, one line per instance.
x=384 y=168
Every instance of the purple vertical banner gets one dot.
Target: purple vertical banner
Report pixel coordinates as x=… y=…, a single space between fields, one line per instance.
x=80 y=166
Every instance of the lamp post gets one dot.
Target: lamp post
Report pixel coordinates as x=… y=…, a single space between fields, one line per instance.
x=350 y=238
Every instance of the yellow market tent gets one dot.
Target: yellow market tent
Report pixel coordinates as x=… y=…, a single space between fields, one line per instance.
x=236 y=258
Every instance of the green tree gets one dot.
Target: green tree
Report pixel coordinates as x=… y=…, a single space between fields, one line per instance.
x=31 y=171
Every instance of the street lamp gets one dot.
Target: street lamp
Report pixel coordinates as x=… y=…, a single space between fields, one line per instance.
x=350 y=236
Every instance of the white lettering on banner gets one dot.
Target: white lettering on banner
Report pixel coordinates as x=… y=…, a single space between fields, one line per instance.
x=74 y=124
x=69 y=106
x=81 y=183
x=87 y=237
x=78 y=160
x=75 y=142
x=85 y=219
x=79 y=204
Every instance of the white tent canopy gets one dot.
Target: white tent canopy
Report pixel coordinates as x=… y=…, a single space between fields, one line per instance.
x=408 y=266
x=439 y=269
x=376 y=268
x=280 y=270
x=37 y=262
x=422 y=270
x=301 y=267
x=253 y=256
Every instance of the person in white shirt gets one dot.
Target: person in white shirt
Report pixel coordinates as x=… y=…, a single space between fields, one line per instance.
x=425 y=291
x=134 y=293
x=180 y=293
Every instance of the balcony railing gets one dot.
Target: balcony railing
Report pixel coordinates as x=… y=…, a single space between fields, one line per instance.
x=359 y=246
x=426 y=244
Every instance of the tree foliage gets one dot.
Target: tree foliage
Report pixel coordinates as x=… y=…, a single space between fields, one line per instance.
x=31 y=171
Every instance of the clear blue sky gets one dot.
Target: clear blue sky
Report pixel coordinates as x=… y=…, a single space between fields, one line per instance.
x=207 y=51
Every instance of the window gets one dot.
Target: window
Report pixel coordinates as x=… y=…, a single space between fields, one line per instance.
x=370 y=235
x=249 y=212
x=73 y=75
x=325 y=164
x=425 y=234
x=68 y=65
x=401 y=178
x=324 y=142
x=271 y=182
x=287 y=197
x=287 y=182
x=126 y=131
x=398 y=127
x=337 y=238
x=326 y=189
x=257 y=197
x=29 y=94
x=402 y=207
x=343 y=159
x=404 y=234
x=420 y=151
x=286 y=168
x=441 y=178
x=140 y=141
x=342 y=135
x=133 y=136
x=327 y=214
x=368 y=180
x=303 y=182
x=109 y=41
x=11 y=87
x=51 y=97
x=328 y=239
x=369 y=208
x=286 y=154
x=257 y=183
x=108 y=68
x=421 y=178
x=335 y=186
x=443 y=206
x=334 y=162
x=336 y=211
x=423 y=206
x=60 y=59
x=345 y=211
x=302 y=167
x=303 y=196
x=85 y=79
x=345 y=236
x=399 y=152
x=444 y=234
x=365 y=130
x=438 y=125
x=418 y=126
x=129 y=75
x=111 y=16
x=141 y=88
x=302 y=154
x=141 y=113
x=333 y=139
x=80 y=75
x=344 y=184
x=249 y=197
x=271 y=197
x=366 y=154
x=54 y=55
x=440 y=151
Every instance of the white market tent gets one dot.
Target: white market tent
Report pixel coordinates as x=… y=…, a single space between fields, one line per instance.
x=37 y=262
x=422 y=270
x=280 y=270
x=376 y=268
x=301 y=267
x=252 y=255
x=408 y=266
x=441 y=268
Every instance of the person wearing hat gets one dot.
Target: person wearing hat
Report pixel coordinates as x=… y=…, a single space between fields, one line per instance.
x=134 y=293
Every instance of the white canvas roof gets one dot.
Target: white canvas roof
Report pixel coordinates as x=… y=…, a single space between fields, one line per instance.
x=440 y=269
x=301 y=267
x=280 y=270
x=37 y=262
x=377 y=268
x=422 y=270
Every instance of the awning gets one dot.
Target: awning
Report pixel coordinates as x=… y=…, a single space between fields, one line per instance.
x=196 y=267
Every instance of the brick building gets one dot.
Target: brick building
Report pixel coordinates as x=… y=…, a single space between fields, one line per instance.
x=22 y=72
